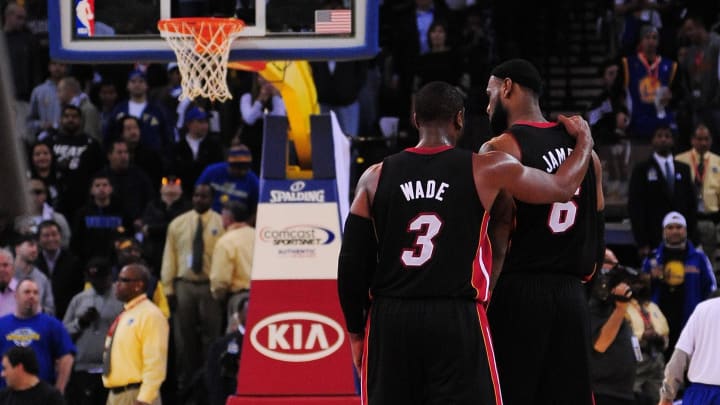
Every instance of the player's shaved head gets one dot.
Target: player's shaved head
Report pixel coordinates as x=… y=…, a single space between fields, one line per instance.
x=438 y=103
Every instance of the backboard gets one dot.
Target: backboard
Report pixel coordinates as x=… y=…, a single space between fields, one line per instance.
x=98 y=31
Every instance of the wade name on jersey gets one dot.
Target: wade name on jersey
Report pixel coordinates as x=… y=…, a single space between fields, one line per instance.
x=428 y=189
x=554 y=158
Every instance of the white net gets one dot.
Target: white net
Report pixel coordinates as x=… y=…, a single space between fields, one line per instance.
x=202 y=47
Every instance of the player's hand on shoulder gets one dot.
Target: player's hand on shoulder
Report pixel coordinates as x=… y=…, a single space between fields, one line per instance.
x=576 y=126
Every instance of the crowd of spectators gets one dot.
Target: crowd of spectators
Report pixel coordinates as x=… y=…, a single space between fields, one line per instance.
x=122 y=174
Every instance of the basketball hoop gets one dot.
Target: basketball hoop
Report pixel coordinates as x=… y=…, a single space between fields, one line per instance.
x=202 y=47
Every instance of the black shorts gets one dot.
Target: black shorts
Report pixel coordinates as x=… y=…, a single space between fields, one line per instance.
x=431 y=352
x=541 y=328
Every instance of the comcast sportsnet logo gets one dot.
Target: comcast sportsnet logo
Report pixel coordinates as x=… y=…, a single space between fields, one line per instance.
x=297 y=337
x=297 y=235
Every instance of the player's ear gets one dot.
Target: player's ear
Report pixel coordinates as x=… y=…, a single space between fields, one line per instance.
x=506 y=88
x=459 y=119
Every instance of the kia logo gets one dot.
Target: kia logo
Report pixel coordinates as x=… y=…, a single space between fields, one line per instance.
x=297 y=336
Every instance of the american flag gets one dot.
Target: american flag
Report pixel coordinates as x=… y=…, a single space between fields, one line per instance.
x=333 y=21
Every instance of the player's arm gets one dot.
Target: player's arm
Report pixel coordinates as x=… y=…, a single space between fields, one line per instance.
x=498 y=170
x=499 y=228
x=63 y=368
x=674 y=376
x=600 y=214
x=357 y=261
x=609 y=330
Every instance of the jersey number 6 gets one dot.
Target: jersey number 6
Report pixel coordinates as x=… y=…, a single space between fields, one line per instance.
x=563 y=215
x=426 y=226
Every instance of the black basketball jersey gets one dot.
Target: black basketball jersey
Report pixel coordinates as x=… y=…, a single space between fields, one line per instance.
x=431 y=227
x=559 y=237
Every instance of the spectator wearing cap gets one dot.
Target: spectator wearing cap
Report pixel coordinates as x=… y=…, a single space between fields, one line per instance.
x=156 y=129
x=158 y=215
x=196 y=150
x=87 y=320
x=26 y=253
x=681 y=275
x=233 y=180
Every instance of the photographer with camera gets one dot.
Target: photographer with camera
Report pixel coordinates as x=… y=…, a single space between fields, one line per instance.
x=681 y=275
x=616 y=350
x=650 y=327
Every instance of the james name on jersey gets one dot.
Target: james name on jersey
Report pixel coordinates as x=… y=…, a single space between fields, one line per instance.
x=554 y=158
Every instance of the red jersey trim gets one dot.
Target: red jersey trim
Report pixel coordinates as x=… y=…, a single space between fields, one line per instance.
x=536 y=124
x=482 y=264
x=424 y=150
x=364 y=400
x=490 y=352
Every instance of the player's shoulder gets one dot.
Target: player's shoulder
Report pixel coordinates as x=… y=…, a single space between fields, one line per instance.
x=370 y=176
x=506 y=142
x=493 y=162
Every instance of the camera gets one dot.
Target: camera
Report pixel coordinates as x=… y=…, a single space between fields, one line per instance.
x=607 y=279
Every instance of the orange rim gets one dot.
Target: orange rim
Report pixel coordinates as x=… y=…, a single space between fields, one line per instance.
x=204 y=29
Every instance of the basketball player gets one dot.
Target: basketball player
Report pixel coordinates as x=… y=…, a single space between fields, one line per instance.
x=538 y=314
x=416 y=243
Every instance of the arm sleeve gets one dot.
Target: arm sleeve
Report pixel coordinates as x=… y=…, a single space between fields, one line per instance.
x=69 y=321
x=154 y=353
x=278 y=106
x=707 y=277
x=674 y=374
x=220 y=270
x=169 y=262
x=160 y=300
x=250 y=110
x=62 y=342
x=356 y=265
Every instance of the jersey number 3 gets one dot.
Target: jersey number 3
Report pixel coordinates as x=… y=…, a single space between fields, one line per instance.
x=563 y=215
x=426 y=227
